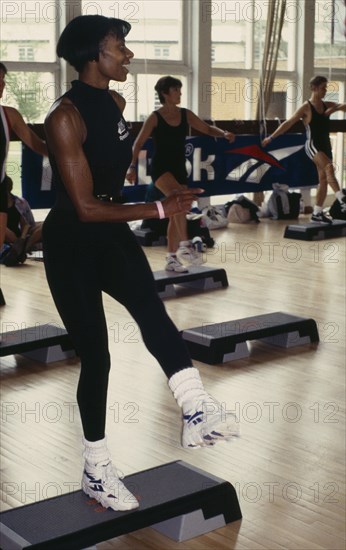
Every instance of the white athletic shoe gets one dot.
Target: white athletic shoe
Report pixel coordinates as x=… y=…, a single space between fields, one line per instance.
x=102 y=483
x=205 y=422
x=173 y=264
x=189 y=255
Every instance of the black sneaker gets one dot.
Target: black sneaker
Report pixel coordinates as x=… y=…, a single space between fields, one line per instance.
x=343 y=201
x=320 y=217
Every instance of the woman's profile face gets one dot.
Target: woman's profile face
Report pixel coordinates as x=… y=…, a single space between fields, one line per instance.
x=114 y=57
x=174 y=95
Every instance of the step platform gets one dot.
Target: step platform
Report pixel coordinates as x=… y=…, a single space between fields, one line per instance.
x=222 y=342
x=148 y=237
x=177 y=499
x=316 y=231
x=197 y=278
x=44 y=343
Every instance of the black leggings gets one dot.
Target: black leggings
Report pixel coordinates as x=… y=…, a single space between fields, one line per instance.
x=81 y=261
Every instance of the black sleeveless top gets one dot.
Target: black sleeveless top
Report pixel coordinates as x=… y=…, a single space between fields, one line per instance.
x=318 y=131
x=108 y=145
x=169 y=148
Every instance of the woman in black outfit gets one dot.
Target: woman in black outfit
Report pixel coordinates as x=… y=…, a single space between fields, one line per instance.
x=89 y=248
x=169 y=126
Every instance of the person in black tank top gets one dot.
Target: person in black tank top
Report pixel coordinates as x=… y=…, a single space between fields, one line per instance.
x=169 y=127
x=88 y=248
x=315 y=114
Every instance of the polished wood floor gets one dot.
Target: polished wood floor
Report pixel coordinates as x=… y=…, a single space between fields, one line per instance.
x=288 y=467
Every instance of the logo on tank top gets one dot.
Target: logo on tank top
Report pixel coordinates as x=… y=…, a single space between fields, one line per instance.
x=122 y=130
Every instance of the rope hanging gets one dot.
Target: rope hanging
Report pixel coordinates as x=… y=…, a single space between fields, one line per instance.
x=276 y=13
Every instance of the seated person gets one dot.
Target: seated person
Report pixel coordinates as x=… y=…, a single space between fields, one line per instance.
x=22 y=233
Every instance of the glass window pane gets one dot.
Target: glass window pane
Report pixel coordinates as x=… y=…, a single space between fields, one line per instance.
x=238 y=34
x=229 y=35
x=156 y=31
x=330 y=46
x=32 y=93
x=229 y=97
x=259 y=30
x=28 y=31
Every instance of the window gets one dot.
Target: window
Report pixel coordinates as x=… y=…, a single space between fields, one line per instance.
x=33 y=26
x=330 y=45
x=153 y=24
x=26 y=53
x=238 y=37
x=161 y=52
x=32 y=93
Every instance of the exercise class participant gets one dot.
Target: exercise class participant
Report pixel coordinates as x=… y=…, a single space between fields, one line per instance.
x=11 y=119
x=169 y=126
x=315 y=114
x=89 y=249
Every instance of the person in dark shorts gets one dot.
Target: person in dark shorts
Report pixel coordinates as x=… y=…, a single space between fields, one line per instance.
x=89 y=249
x=169 y=126
x=315 y=114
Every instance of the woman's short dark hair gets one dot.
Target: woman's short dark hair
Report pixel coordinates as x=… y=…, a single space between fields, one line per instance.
x=80 y=40
x=3 y=68
x=164 y=84
x=317 y=81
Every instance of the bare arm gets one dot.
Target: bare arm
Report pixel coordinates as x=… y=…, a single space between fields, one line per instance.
x=301 y=113
x=25 y=134
x=208 y=129
x=65 y=134
x=333 y=107
x=143 y=135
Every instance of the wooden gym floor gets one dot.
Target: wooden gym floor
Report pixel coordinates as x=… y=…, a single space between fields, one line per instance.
x=288 y=467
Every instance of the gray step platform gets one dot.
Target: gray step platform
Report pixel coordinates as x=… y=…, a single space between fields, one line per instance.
x=197 y=278
x=221 y=342
x=45 y=343
x=148 y=237
x=316 y=231
x=177 y=499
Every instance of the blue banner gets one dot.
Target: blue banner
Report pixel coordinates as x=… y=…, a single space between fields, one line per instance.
x=223 y=168
x=217 y=166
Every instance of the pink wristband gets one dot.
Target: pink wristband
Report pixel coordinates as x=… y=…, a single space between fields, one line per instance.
x=160 y=209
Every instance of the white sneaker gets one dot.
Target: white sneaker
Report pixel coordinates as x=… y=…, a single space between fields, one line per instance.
x=103 y=483
x=205 y=422
x=189 y=255
x=173 y=264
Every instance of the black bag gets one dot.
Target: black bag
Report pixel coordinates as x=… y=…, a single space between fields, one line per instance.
x=246 y=203
x=335 y=211
x=294 y=205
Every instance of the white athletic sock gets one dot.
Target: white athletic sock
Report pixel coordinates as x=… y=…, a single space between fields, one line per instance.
x=339 y=195
x=186 y=385
x=184 y=243
x=96 y=451
x=318 y=209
